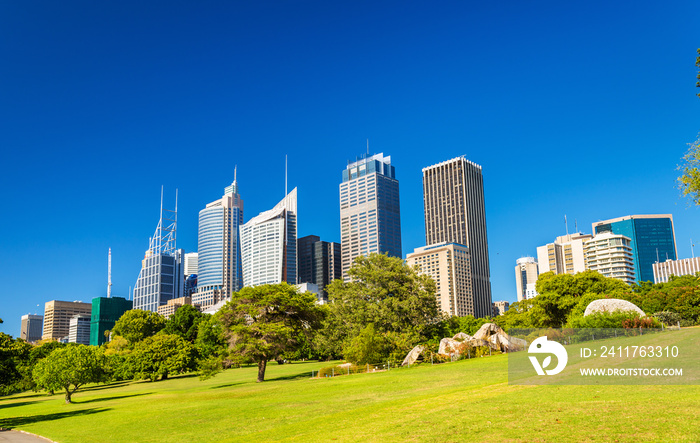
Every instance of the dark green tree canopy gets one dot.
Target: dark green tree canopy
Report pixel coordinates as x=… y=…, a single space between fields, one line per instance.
x=184 y=322
x=136 y=325
x=263 y=322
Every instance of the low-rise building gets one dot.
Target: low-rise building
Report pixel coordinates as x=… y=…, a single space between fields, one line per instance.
x=173 y=305
x=664 y=270
x=501 y=307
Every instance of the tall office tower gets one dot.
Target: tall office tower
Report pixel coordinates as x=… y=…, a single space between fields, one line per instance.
x=319 y=262
x=664 y=270
x=219 y=271
x=525 y=276
x=32 y=327
x=453 y=198
x=105 y=313
x=652 y=239
x=79 y=329
x=564 y=256
x=305 y=251
x=449 y=265
x=370 y=219
x=190 y=263
x=57 y=315
x=501 y=306
x=610 y=255
x=269 y=245
x=161 y=277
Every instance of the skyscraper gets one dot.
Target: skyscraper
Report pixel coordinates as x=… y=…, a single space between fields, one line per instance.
x=526 y=277
x=32 y=326
x=269 y=245
x=370 y=219
x=453 y=197
x=652 y=239
x=161 y=277
x=319 y=262
x=191 y=263
x=219 y=249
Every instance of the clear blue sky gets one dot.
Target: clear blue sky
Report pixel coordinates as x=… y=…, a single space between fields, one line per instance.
x=581 y=108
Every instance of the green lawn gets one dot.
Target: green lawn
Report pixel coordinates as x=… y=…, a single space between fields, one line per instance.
x=463 y=401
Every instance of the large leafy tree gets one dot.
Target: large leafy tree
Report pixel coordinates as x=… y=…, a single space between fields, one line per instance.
x=263 y=322
x=69 y=368
x=386 y=293
x=689 y=181
x=160 y=356
x=136 y=325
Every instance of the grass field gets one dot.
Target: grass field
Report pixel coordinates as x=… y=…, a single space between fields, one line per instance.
x=468 y=400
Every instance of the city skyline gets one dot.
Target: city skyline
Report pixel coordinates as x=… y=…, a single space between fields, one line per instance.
x=99 y=96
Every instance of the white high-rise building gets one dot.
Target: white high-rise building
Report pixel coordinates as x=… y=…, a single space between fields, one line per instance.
x=611 y=255
x=525 y=277
x=190 y=263
x=269 y=244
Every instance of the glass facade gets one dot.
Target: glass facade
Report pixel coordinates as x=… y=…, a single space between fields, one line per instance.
x=652 y=240
x=210 y=247
x=161 y=279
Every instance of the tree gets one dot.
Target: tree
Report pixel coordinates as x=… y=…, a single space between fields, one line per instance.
x=184 y=322
x=69 y=368
x=14 y=356
x=160 y=356
x=263 y=322
x=689 y=181
x=387 y=293
x=136 y=325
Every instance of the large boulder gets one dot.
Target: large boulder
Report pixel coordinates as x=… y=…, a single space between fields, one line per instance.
x=496 y=338
x=461 y=336
x=413 y=355
x=612 y=305
x=487 y=330
x=448 y=346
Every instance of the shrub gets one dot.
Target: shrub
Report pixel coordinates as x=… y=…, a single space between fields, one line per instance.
x=667 y=317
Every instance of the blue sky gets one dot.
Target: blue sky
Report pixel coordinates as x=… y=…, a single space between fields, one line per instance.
x=576 y=108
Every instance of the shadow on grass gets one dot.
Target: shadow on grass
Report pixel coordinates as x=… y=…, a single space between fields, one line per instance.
x=115 y=384
x=12 y=422
x=18 y=403
x=113 y=397
x=298 y=376
x=228 y=385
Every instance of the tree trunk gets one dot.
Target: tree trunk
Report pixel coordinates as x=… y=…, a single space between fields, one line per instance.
x=262 y=364
x=68 y=394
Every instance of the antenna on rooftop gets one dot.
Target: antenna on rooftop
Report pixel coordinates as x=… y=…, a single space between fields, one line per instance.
x=575 y=225
x=692 y=251
x=109 y=274
x=567 y=225
x=367 y=147
x=285 y=175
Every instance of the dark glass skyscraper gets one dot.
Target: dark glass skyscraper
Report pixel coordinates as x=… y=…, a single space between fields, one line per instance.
x=653 y=239
x=319 y=262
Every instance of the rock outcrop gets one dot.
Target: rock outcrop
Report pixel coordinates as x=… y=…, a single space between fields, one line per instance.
x=612 y=305
x=412 y=356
